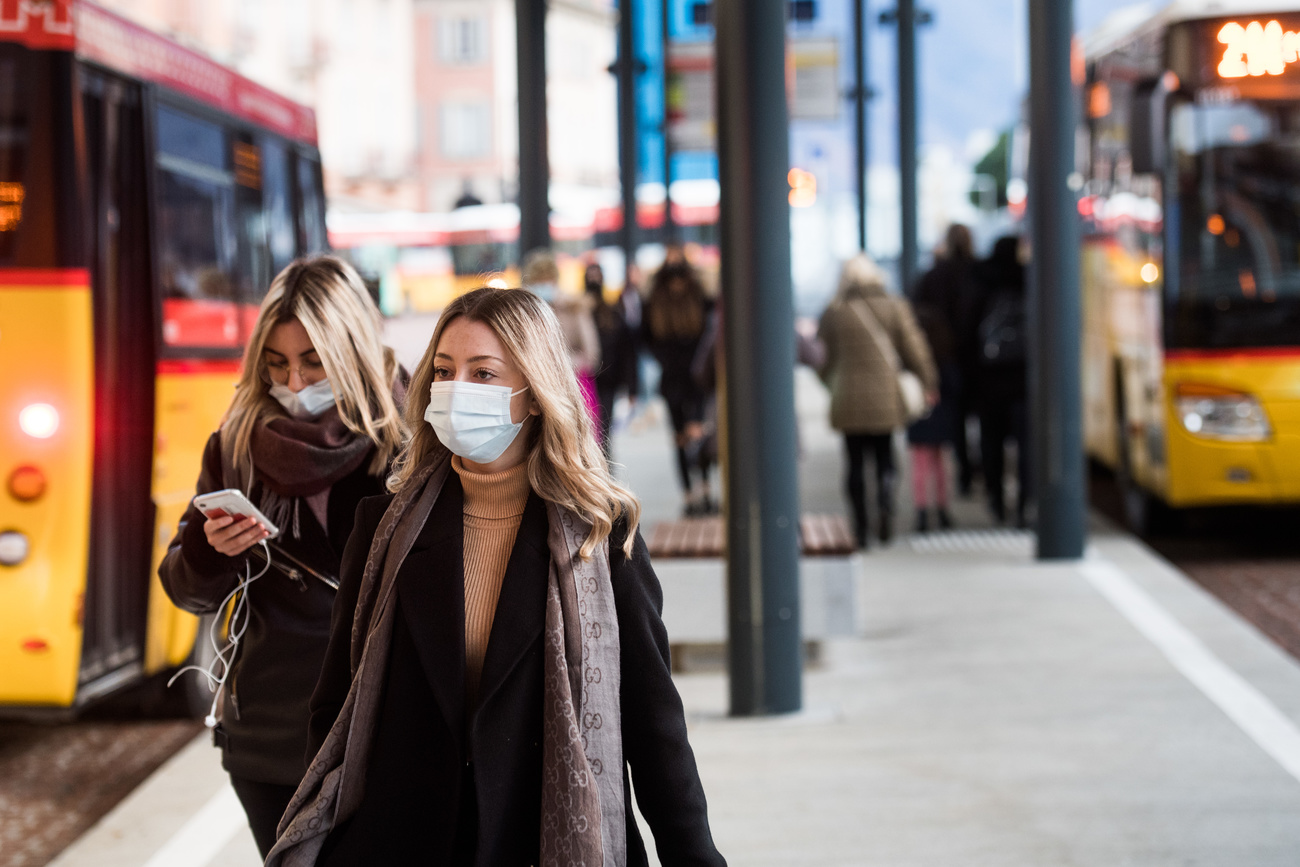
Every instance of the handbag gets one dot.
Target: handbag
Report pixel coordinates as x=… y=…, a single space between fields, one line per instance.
x=911 y=391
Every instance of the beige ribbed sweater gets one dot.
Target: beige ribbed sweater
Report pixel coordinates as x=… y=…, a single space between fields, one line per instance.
x=494 y=506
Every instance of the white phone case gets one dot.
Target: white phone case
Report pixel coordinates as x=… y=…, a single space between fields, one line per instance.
x=231 y=501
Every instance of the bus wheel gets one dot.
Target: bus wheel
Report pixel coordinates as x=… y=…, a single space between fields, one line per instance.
x=192 y=686
x=1144 y=512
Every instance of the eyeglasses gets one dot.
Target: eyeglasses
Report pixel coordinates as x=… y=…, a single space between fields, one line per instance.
x=277 y=372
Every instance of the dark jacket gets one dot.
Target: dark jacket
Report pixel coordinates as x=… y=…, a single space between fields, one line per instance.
x=618 y=350
x=263 y=731
x=1001 y=280
x=449 y=785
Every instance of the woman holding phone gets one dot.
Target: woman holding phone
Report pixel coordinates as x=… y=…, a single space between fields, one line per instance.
x=497 y=663
x=313 y=428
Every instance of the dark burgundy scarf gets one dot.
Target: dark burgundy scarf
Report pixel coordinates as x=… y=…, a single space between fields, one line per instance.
x=298 y=458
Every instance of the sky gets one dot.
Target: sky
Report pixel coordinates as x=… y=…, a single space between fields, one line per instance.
x=971 y=62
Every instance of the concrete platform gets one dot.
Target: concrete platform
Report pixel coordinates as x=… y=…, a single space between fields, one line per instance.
x=987 y=710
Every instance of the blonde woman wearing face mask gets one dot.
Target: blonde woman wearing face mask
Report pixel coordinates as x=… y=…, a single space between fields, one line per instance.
x=497 y=662
x=313 y=428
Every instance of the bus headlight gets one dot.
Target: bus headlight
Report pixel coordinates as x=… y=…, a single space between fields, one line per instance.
x=1221 y=414
x=13 y=548
x=39 y=420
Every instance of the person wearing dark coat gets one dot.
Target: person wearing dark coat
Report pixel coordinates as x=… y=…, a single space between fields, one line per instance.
x=497 y=676
x=674 y=321
x=312 y=429
x=1002 y=375
x=937 y=301
x=619 y=361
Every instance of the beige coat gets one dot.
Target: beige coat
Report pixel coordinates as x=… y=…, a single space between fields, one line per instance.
x=574 y=313
x=864 y=387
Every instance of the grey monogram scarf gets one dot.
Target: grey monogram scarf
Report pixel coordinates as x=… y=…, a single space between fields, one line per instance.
x=583 y=819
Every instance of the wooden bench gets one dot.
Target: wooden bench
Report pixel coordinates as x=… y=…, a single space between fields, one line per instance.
x=688 y=558
x=819 y=536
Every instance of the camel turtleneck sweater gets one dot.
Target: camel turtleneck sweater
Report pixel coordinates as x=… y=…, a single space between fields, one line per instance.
x=494 y=506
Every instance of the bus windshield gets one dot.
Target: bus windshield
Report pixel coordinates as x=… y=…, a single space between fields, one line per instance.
x=1238 y=176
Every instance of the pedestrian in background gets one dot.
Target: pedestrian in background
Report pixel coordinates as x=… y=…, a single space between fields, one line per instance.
x=619 y=361
x=674 y=321
x=937 y=301
x=497 y=663
x=1003 y=375
x=313 y=427
x=866 y=332
x=541 y=276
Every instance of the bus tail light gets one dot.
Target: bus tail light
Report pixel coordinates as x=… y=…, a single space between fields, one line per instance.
x=39 y=420
x=1219 y=413
x=27 y=484
x=13 y=548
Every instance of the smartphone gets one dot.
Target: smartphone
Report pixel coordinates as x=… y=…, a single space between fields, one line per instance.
x=232 y=502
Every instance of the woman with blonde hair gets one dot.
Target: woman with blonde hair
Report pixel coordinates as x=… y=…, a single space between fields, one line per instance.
x=314 y=427
x=870 y=336
x=497 y=661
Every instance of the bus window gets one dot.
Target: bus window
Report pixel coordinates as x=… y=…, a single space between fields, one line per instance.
x=277 y=198
x=1238 y=175
x=311 y=207
x=27 y=221
x=195 y=221
x=253 y=258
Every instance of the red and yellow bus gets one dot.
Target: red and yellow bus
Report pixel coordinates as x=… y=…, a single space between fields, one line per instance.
x=147 y=197
x=1192 y=255
x=424 y=260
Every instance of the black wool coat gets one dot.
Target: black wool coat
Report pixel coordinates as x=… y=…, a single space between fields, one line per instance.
x=452 y=785
x=263 y=732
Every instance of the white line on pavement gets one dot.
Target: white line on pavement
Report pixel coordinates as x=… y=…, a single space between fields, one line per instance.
x=206 y=833
x=1243 y=703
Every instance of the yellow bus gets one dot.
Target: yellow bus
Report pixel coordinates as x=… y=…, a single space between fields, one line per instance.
x=147 y=197
x=1191 y=256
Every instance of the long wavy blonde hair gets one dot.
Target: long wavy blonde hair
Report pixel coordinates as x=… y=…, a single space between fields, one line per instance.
x=327 y=296
x=565 y=463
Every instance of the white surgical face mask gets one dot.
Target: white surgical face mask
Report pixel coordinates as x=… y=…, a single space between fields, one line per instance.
x=306 y=404
x=473 y=419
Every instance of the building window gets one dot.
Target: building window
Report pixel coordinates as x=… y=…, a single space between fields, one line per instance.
x=462 y=41
x=465 y=130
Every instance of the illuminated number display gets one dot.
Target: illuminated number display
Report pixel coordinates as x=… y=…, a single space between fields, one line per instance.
x=1257 y=49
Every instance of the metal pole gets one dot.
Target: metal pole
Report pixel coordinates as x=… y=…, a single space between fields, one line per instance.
x=534 y=167
x=1055 y=306
x=762 y=486
x=907 y=139
x=860 y=99
x=627 y=160
x=670 y=227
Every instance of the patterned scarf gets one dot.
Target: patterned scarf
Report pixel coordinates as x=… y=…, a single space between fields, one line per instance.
x=583 y=819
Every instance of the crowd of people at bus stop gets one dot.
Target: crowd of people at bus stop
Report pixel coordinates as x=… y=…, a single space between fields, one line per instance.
x=944 y=361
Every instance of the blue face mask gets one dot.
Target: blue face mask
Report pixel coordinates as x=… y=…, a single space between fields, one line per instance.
x=473 y=419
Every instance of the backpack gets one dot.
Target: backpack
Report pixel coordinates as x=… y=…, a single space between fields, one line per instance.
x=1003 y=332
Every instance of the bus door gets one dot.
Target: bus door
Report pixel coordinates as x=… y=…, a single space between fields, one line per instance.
x=121 y=513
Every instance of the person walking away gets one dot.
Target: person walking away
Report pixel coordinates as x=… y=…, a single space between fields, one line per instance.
x=952 y=285
x=1003 y=375
x=497 y=674
x=541 y=276
x=674 y=320
x=864 y=330
x=311 y=431
x=619 y=362
x=936 y=301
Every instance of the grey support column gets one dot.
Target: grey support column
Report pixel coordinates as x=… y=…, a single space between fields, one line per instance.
x=907 y=140
x=627 y=67
x=534 y=165
x=1055 y=306
x=861 y=93
x=765 y=662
